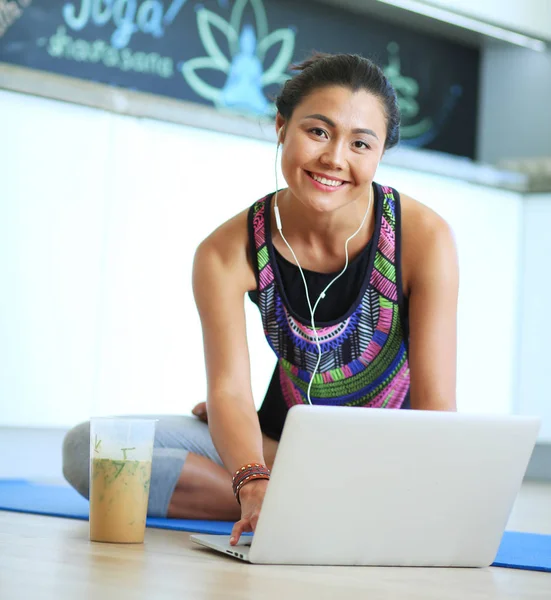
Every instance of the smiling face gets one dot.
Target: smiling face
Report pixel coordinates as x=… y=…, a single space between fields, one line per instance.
x=332 y=145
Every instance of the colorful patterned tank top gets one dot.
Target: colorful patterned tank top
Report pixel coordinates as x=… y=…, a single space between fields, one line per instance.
x=364 y=358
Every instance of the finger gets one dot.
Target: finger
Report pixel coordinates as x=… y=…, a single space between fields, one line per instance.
x=240 y=527
x=236 y=533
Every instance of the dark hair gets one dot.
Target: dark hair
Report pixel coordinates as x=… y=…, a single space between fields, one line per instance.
x=348 y=70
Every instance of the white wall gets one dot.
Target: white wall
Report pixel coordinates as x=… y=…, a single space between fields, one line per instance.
x=99 y=219
x=54 y=173
x=31 y=453
x=174 y=185
x=535 y=317
x=532 y=17
x=487 y=226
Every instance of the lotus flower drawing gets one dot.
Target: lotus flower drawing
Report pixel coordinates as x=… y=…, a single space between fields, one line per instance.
x=246 y=75
x=422 y=132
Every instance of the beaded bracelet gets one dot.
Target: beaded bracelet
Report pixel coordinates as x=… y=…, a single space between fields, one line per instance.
x=249 y=473
x=246 y=474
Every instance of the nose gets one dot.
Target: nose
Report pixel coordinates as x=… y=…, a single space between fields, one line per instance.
x=333 y=156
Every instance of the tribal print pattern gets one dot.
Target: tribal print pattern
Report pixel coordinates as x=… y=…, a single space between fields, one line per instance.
x=364 y=358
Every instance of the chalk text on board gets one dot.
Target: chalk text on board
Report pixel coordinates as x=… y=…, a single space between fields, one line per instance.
x=129 y=16
x=61 y=45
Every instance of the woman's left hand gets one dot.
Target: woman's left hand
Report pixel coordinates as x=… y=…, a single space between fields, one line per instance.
x=200 y=410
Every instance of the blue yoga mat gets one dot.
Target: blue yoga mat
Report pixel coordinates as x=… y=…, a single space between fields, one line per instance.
x=529 y=551
x=19 y=495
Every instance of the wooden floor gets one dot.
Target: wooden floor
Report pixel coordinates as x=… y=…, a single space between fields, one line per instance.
x=44 y=558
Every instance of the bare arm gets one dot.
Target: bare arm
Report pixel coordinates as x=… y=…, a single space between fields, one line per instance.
x=221 y=277
x=433 y=291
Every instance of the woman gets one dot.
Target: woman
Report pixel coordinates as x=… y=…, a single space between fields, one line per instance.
x=378 y=269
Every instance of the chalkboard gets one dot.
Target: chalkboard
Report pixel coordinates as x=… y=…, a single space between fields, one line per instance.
x=234 y=55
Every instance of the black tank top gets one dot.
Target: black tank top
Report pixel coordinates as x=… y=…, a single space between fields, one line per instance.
x=340 y=298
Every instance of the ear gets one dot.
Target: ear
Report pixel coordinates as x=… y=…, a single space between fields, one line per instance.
x=280 y=128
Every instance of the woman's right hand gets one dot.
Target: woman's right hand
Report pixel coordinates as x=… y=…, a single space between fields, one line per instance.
x=251 y=497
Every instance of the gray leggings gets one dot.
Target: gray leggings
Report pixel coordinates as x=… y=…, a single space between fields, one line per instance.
x=175 y=437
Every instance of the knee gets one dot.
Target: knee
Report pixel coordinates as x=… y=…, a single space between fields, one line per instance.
x=76 y=458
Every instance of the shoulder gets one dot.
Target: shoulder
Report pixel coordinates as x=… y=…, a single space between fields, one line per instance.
x=418 y=217
x=428 y=241
x=225 y=239
x=226 y=253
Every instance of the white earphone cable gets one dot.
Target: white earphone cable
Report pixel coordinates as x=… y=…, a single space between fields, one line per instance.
x=322 y=295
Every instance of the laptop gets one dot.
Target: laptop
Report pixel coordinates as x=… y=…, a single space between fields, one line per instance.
x=380 y=487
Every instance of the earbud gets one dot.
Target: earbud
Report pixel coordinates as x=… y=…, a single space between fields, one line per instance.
x=280 y=135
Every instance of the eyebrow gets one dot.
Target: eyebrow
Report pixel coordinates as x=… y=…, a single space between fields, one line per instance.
x=332 y=124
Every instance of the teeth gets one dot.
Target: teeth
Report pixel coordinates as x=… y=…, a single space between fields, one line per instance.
x=330 y=182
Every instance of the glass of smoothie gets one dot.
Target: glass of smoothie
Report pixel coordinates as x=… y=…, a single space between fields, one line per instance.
x=120 y=471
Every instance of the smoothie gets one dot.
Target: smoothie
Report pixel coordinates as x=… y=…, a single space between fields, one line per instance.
x=119 y=493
